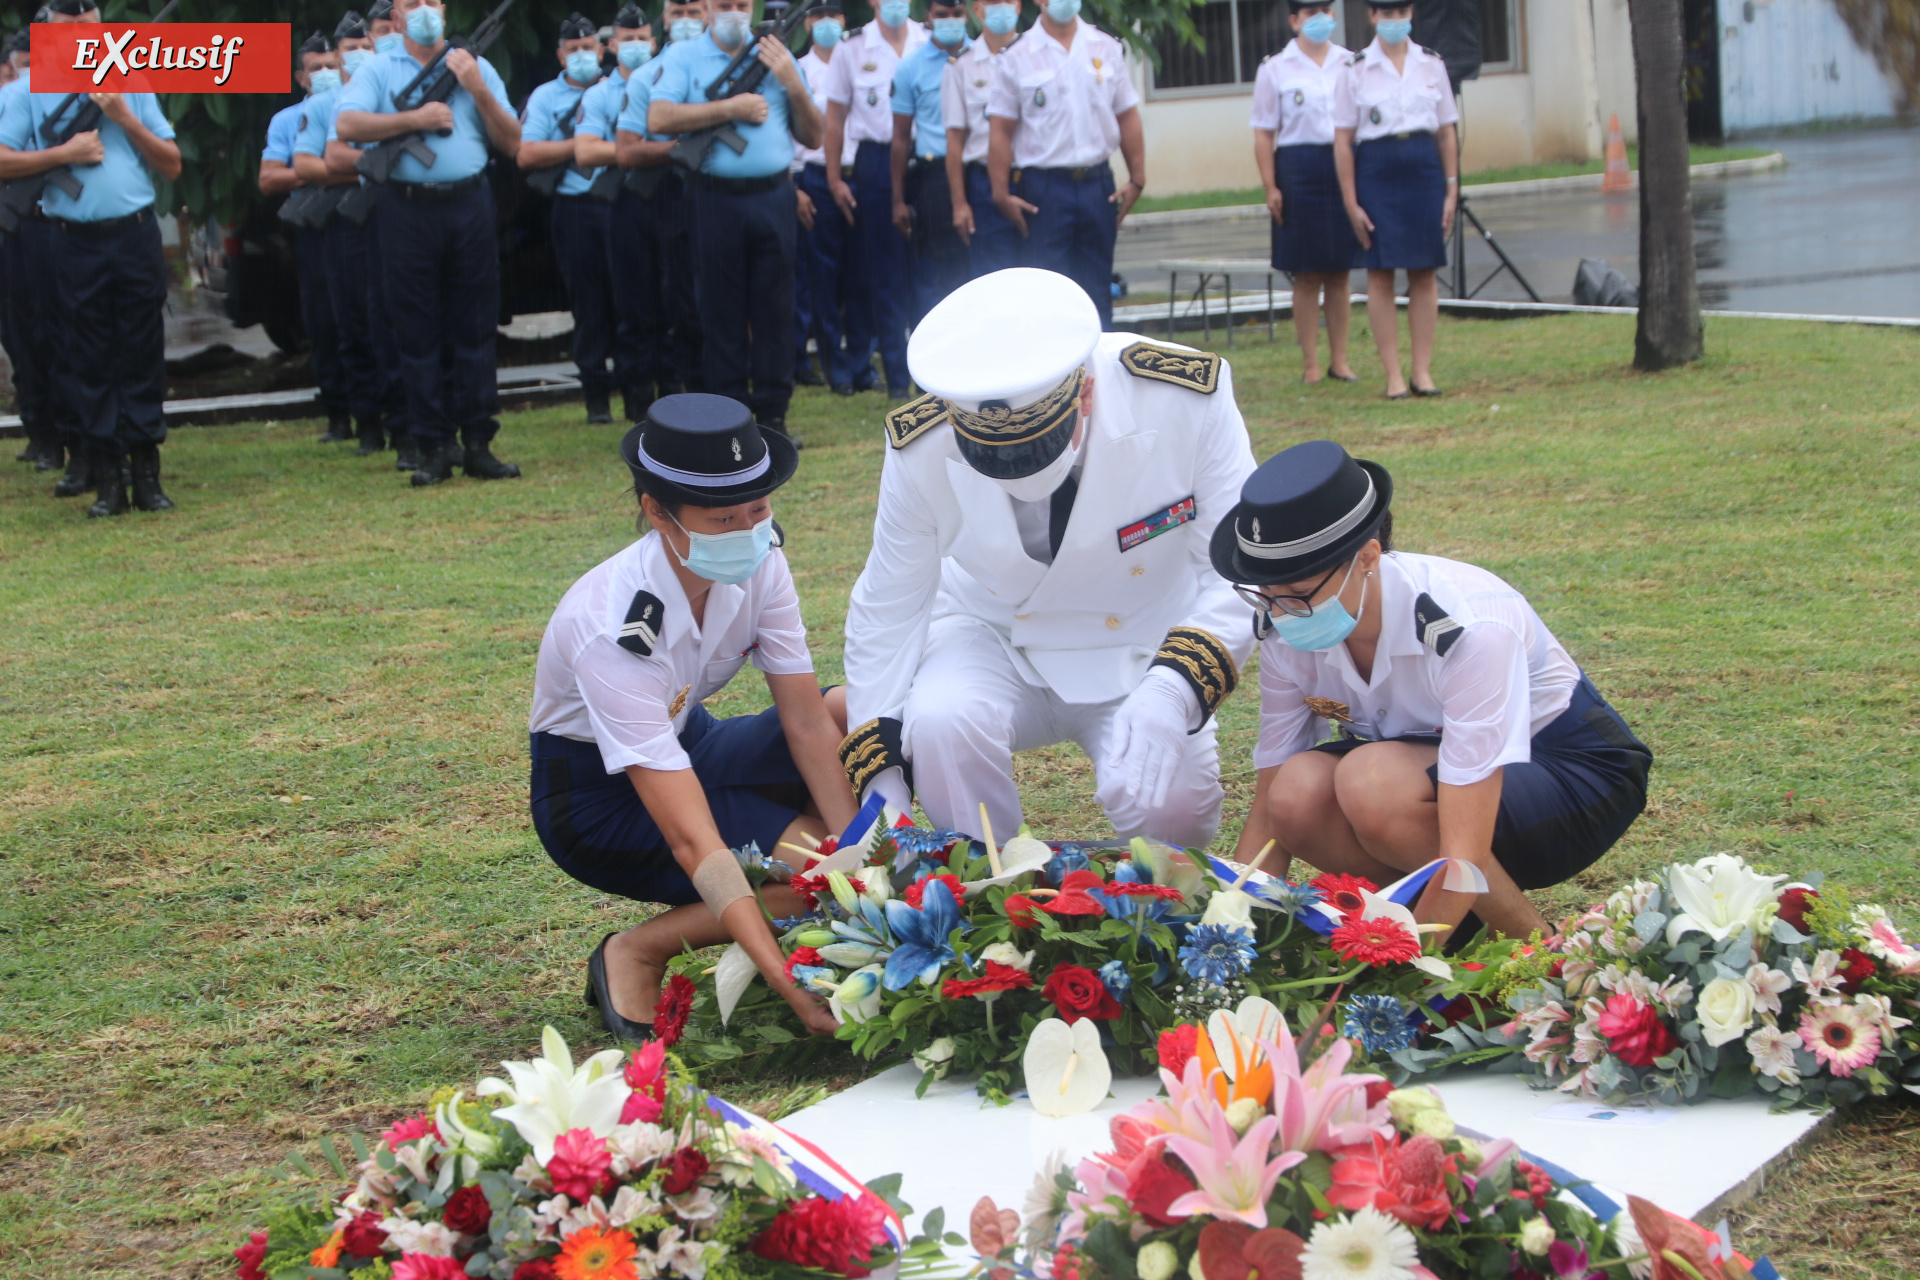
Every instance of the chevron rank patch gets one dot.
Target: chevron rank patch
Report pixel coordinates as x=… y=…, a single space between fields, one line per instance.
x=1194 y=370
x=1433 y=627
x=914 y=419
x=641 y=631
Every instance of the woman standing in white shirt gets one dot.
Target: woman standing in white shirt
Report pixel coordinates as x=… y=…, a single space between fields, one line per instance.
x=637 y=790
x=1455 y=724
x=1293 y=147
x=1394 y=146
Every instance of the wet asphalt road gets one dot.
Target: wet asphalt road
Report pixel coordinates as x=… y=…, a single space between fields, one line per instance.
x=1835 y=232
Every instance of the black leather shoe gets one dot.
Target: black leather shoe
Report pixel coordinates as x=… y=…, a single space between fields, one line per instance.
x=598 y=997
x=436 y=465
x=843 y=389
x=339 y=427
x=598 y=411
x=635 y=405
x=28 y=454
x=480 y=464
x=52 y=458
x=808 y=377
x=112 y=493
x=79 y=477
x=408 y=452
x=147 y=494
x=373 y=439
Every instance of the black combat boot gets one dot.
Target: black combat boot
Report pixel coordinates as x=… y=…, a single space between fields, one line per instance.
x=112 y=493
x=79 y=477
x=778 y=422
x=339 y=427
x=147 y=494
x=436 y=464
x=407 y=453
x=373 y=438
x=52 y=457
x=636 y=404
x=480 y=464
x=598 y=410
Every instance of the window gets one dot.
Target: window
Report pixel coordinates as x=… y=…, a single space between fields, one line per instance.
x=1500 y=36
x=1238 y=34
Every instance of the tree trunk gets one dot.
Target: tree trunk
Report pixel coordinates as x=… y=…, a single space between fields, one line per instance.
x=1668 y=333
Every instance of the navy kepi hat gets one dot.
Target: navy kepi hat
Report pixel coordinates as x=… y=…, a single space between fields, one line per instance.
x=1301 y=512
x=709 y=451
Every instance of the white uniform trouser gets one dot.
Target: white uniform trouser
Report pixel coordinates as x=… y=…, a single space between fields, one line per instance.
x=970 y=709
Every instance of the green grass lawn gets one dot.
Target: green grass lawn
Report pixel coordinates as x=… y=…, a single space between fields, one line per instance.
x=1516 y=173
x=269 y=870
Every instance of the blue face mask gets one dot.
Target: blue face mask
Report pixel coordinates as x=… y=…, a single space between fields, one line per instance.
x=326 y=80
x=728 y=558
x=353 y=59
x=583 y=66
x=1394 y=30
x=949 y=31
x=730 y=29
x=1327 y=626
x=426 y=25
x=1319 y=28
x=1002 y=18
x=687 y=29
x=827 y=32
x=1063 y=11
x=392 y=42
x=894 y=12
x=634 y=54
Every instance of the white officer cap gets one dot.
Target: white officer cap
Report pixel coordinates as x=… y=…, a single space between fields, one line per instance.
x=1006 y=353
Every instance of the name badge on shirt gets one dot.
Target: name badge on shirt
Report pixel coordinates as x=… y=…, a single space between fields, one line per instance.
x=1039 y=97
x=1373 y=114
x=1299 y=97
x=1146 y=530
x=873 y=97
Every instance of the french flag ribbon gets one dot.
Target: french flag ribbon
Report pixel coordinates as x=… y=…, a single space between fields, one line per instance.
x=1461 y=877
x=815 y=1169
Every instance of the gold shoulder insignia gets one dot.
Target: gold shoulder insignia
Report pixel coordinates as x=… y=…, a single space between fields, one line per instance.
x=914 y=419
x=1194 y=370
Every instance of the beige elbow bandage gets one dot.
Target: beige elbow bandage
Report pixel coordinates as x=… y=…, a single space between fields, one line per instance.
x=720 y=882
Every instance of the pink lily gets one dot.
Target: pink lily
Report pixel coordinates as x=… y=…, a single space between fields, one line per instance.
x=1320 y=1108
x=1189 y=1108
x=1234 y=1179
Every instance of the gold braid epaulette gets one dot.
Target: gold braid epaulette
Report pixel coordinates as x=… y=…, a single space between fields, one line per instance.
x=1194 y=370
x=914 y=419
x=871 y=750
x=1203 y=662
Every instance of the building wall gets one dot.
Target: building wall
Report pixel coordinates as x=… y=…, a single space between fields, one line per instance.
x=1793 y=62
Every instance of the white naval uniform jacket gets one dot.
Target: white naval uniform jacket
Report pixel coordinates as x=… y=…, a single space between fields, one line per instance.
x=1157 y=452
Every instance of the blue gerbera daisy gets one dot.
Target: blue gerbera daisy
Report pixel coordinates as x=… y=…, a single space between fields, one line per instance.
x=1379 y=1022
x=1217 y=953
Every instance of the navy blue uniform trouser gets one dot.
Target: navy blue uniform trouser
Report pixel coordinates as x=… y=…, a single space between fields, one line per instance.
x=886 y=277
x=743 y=247
x=636 y=270
x=32 y=328
x=316 y=312
x=997 y=244
x=1074 y=230
x=344 y=249
x=443 y=296
x=825 y=268
x=386 y=352
x=111 y=287
x=940 y=263
x=580 y=227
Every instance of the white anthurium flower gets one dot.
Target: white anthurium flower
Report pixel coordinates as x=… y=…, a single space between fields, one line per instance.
x=1019 y=856
x=1719 y=896
x=1007 y=954
x=1067 y=1072
x=857 y=998
x=549 y=1096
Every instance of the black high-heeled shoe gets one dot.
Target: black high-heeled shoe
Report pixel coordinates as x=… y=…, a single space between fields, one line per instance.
x=599 y=997
x=1343 y=377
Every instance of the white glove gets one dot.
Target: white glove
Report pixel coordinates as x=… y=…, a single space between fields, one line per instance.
x=1150 y=734
x=891 y=786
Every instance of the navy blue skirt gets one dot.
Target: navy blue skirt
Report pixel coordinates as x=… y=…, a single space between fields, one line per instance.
x=596 y=830
x=1316 y=236
x=1569 y=804
x=1400 y=183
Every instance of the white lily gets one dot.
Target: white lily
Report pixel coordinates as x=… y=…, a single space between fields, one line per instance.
x=857 y=998
x=1237 y=1036
x=549 y=1096
x=470 y=1145
x=1719 y=896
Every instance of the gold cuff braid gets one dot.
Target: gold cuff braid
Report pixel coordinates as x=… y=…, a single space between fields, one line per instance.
x=871 y=750
x=1206 y=664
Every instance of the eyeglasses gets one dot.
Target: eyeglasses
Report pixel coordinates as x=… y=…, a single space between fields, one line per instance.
x=1293 y=606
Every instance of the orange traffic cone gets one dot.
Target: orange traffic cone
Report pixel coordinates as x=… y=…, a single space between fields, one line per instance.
x=1617 y=177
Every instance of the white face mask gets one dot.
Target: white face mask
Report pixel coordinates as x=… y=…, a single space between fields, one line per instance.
x=1041 y=484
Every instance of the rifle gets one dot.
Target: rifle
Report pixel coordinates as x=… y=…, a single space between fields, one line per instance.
x=546 y=181
x=743 y=74
x=310 y=207
x=434 y=83
x=19 y=197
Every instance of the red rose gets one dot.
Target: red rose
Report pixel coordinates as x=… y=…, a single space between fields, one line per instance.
x=467 y=1211
x=1635 y=1034
x=581 y=1167
x=1078 y=993
x=1377 y=1093
x=670 y=1015
x=1152 y=1187
x=538 y=1269
x=1177 y=1047
x=809 y=956
x=364 y=1237
x=250 y=1255
x=1793 y=907
x=835 y=1236
x=918 y=888
x=1019 y=909
x=1856 y=966
x=685 y=1168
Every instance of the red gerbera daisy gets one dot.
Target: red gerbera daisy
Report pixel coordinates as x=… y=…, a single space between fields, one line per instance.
x=918 y=889
x=1376 y=942
x=670 y=1015
x=998 y=977
x=809 y=956
x=1342 y=892
x=1136 y=889
x=809 y=888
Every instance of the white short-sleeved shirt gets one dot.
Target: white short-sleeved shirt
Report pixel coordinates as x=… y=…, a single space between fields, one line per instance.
x=1293 y=95
x=1067 y=101
x=1502 y=679
x=963 y=97
x=814 y=69
x=588 y=688
x=860 y=78
x=1375 y=100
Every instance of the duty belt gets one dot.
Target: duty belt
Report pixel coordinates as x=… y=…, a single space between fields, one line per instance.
x=1076 y=173
x=436 y=190
x=741 y=186
x=104 y=227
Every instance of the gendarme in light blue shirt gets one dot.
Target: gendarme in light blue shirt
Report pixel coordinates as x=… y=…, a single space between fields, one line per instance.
x=119 y=185
x=553 y=113
x=600 y=105
x=316 y=123
x=769 y=145
x=13 y=91
x=633 y=108
x=283 y=130
x=457 y=156
x=916 y=93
